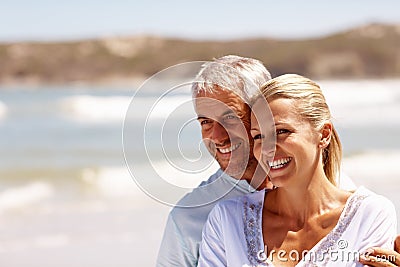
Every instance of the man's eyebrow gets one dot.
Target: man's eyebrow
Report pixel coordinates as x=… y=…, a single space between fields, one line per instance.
x=203 y=117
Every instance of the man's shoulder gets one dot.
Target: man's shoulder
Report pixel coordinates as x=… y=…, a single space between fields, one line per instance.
x=209 y=191
x=199 y=202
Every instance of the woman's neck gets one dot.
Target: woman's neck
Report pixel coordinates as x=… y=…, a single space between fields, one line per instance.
x=303 y=201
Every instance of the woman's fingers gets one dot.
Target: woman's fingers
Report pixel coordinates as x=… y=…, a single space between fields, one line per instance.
x=397 y=244
x=380 y=257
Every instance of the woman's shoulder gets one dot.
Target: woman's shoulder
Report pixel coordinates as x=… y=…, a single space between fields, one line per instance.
x=372 y=202
x=372 y=198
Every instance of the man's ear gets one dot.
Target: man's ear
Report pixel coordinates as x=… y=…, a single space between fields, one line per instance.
x=325 y=134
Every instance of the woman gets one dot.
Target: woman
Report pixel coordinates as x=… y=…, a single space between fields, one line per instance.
x=306 y=220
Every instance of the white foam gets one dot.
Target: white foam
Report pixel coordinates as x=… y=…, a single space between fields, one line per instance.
x=3 y=110
x=111 y=181
x=105 y=109
x=185 y=178
x=52 y=241
x=115 y=182
x=96 y=109
x=167 y=106
x=373 y=167
x=24 y=196
x=363 y=102
x=359 y=92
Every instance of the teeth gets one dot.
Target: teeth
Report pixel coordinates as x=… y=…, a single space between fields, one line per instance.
x=276 y=164
x=229 y=149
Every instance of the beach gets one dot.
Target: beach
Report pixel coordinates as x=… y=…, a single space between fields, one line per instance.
x=68 y=198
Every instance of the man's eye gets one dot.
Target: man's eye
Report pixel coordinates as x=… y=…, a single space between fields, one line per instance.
x=203 y=122
x=231 y=118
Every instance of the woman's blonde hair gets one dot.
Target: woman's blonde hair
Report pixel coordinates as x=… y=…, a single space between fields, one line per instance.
x=311 y=105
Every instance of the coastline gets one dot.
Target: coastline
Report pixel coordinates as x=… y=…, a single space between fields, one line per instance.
x=111 y=81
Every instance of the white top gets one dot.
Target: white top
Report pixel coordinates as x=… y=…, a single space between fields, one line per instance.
x=232 y=240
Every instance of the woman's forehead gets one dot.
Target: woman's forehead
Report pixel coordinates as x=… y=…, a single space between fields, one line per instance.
x=261 y=109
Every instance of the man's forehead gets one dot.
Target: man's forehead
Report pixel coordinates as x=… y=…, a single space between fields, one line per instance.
x=219 y=103
x=219 y=95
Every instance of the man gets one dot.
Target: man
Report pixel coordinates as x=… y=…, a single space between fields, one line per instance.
x=219 y=95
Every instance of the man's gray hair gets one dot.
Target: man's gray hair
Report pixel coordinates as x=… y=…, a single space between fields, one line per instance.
x=243 y=76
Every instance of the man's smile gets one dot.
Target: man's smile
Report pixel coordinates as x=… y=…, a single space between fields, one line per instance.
x=233 y=147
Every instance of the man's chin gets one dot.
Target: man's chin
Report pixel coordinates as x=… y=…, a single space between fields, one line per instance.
x=235 y=166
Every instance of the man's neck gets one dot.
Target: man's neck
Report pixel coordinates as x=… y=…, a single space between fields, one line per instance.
x=255 y=176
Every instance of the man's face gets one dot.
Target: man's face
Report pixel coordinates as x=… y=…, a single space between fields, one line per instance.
x=225 y=126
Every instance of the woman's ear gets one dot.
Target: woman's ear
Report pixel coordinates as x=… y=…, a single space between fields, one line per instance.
x=326 y=134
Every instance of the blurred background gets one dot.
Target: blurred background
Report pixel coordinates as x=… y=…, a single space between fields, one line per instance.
x=69 y=70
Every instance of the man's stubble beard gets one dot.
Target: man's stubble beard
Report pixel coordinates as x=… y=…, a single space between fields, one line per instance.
x=238 y=165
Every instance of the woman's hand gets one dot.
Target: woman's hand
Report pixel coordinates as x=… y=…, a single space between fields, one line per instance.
x=379 y=257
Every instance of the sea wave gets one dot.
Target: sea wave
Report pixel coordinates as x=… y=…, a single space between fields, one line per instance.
x=188 y=177
x=374 y=167
x=115 y=182
x=3 y=110
x=363 y=102
x=112 y=182
x=96 y=109
x=105 y=109
x=24 y=196
x=163 y=108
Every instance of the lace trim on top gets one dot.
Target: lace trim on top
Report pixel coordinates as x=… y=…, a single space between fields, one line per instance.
x=253 y=232
x=330 y=242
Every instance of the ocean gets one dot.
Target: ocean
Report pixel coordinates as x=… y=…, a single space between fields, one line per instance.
x=68 y=198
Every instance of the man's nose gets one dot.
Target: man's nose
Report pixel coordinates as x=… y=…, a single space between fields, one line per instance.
x=219 y=133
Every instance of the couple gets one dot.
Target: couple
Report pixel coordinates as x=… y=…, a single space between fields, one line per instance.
x=298 y=208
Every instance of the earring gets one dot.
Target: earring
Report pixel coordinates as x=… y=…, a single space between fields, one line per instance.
x=322 y=143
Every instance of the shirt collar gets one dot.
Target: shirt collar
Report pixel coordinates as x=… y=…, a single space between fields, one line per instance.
x=242 y=185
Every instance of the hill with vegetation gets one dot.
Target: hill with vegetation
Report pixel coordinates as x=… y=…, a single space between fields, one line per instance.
x=372 y=51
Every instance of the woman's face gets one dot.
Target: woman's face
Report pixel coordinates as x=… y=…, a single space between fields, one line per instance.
x=297 y=151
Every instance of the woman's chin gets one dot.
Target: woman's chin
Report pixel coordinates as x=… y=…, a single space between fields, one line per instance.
x=279 y=181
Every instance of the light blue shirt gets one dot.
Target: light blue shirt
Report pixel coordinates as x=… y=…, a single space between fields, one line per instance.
x=182 y=235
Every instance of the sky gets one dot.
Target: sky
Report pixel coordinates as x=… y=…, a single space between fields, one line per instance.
x=49 y=20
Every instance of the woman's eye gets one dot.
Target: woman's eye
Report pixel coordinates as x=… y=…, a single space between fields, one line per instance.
x=258 y=136
x=282 y=131
x=203 y=122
